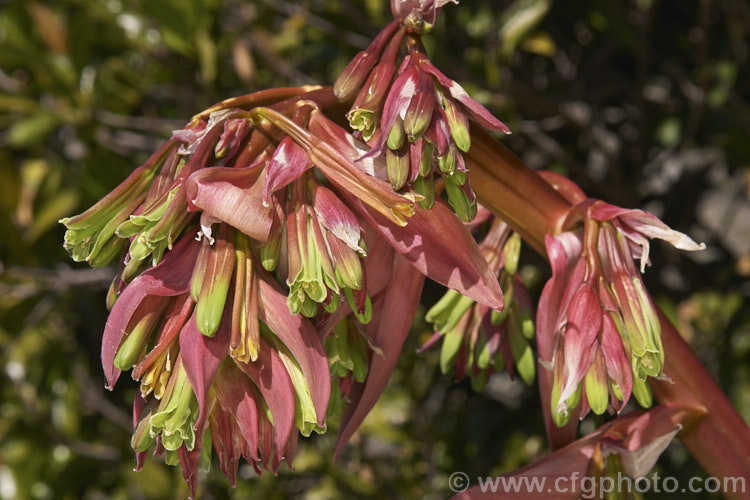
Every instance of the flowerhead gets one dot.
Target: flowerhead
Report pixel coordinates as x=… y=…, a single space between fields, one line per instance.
x=477 y=341
x=597 y=325
x=249 y=237
x=411 y=114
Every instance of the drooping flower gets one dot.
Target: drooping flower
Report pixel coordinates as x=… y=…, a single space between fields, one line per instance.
x=597 y=326
x=415 y=117
x=477 y=341
x=177 y=363
x=249 y=237
x=91 y=236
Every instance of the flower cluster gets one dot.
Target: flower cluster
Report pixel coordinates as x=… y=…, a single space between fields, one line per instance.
x=597 y=327
x=477 y=341
x=261 y=256
x=411 y=114
x=272 y=261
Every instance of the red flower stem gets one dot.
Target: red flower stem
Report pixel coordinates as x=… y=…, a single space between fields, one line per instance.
x=513 y=191
x=720 y=441
x=322 y=98
x=261 y=98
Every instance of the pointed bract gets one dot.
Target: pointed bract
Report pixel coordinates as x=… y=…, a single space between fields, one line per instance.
x=299 y=335
x=337 y=218
x=201 y=357
x=637 y=439
x=270 y=376
x=288 y=163
x=169 y=278
x=235 y=394
x=396 y=310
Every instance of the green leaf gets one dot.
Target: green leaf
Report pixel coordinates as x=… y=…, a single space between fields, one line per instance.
x=50 y=212
x=31 y=130
x=519 y=20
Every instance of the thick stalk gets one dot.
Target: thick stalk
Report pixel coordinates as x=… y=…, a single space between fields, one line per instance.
x=261 y=98
x=509 y=188
x=720 y=441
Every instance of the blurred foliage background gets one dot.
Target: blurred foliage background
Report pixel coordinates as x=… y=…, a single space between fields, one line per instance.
x=644 y=103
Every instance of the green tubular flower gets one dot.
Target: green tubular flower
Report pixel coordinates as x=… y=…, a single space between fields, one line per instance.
x=175 y=417
x=143 y=229
x=89 y=234
x=212 y=278
x=310 y=270
x=477 y=341
x=305 y=417
x=347 y=351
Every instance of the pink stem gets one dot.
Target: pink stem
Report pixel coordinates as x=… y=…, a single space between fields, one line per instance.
x=720 y=441
x=513 y=191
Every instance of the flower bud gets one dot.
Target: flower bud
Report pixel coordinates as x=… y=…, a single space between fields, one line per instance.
x=219 y=266
x=113 y=291
x=419 y=112
x=397 y=163
x=448 y=311
x=139 y=331
x=396 y=137
x=447 y=161
x=511 y=253
x=346 y=263
x=350 y=81
x=269 y=252
x=425 y=186
x=519 y=344
x=595 y=382
x=426 y=163
x=458 y=123
x=142 y=438
x=464 y=207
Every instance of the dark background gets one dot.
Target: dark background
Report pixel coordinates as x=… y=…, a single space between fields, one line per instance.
x=644 y=103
